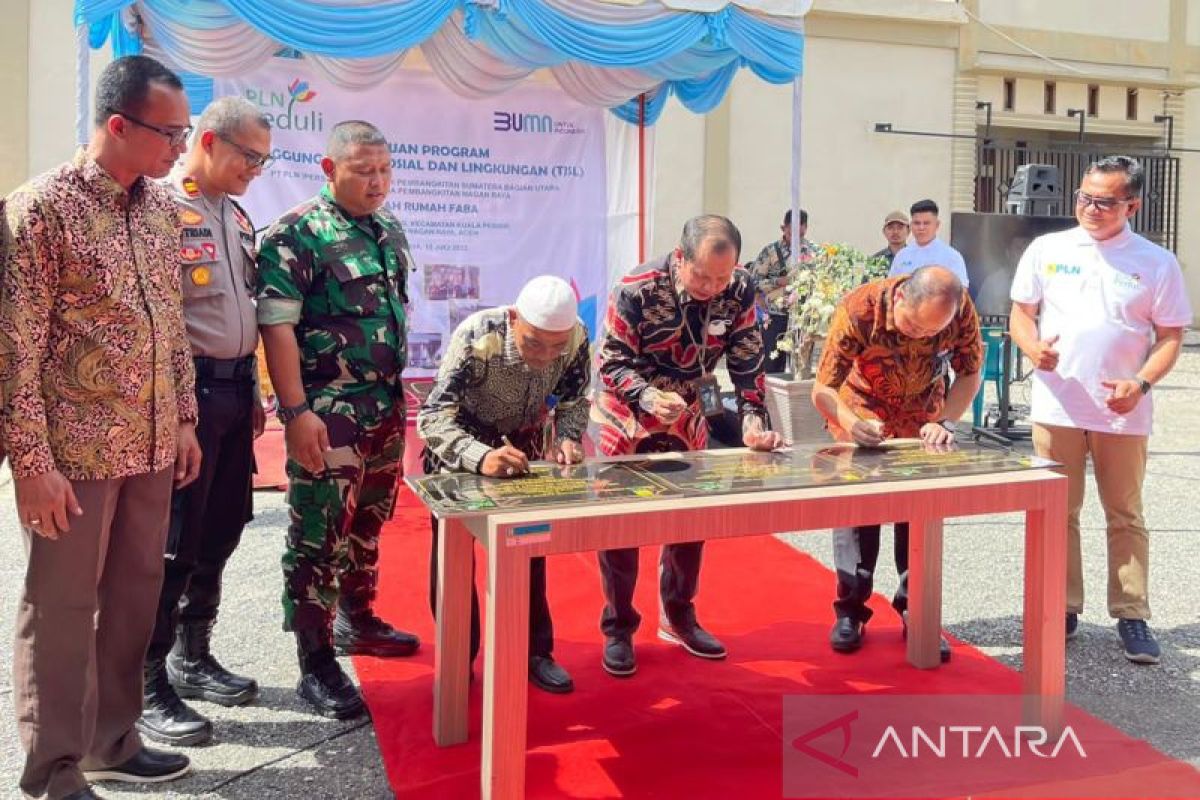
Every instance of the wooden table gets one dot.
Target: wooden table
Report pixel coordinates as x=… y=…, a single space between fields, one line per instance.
x=511 y=538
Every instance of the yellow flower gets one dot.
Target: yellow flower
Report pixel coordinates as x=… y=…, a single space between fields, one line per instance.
x=831 y=250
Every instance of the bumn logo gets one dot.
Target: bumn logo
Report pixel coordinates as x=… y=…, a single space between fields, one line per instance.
x=516 y=122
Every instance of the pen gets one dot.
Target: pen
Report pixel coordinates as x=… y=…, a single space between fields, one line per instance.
x=507 y=443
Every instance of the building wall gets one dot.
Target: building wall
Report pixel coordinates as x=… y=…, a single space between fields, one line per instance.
x=14 y=94
x=1139 y=19
x=851 y=176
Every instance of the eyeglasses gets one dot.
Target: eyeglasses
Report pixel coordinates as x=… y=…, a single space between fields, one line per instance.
x=253 y=160
x=1102 y=204
x=176 y=137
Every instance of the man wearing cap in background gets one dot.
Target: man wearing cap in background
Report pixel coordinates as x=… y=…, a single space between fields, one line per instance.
x=771 y=274
x=670 y=321
x=207 y=517
x=895 y=230
x=512 y=388
x=331 y=292
x=926 y=250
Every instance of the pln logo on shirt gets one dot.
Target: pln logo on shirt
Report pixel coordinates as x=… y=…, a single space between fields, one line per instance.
x=1063 y=269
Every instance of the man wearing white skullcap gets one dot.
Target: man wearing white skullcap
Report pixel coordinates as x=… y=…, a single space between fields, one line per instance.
x=513 y=388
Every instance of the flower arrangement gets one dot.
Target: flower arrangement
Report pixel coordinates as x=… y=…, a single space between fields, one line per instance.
x=816 y=287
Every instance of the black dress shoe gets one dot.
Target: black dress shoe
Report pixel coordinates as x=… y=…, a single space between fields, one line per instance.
x=330 y=692
x=692 y=638
x=365 y=634
x=546 y=674
x=847 y=635
x=194 y=672
x=146 y=766
x=165 y=718
x=85 y=793
x=618 y=656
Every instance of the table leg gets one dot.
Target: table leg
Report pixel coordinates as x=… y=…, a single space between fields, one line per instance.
x=451 y=657
x=506 y=672
x=1045 y=611
x=924 y=592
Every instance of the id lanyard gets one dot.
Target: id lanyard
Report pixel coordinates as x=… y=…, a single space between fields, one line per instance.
x=706 y=385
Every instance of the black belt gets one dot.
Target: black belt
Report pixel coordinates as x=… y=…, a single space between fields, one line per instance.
x=225 y=369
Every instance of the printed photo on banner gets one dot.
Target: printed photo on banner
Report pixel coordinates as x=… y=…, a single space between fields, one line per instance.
x=451 y=282
x=461 y=309
x=424 y=350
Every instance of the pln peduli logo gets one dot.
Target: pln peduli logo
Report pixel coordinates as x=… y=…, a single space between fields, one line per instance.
x=280 y=106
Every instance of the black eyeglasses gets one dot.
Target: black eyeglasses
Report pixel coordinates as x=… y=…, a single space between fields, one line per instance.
x=176 y=137
x=253 y=160
x=1102 y=204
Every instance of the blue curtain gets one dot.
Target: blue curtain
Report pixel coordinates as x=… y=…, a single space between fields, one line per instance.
x=696 y=55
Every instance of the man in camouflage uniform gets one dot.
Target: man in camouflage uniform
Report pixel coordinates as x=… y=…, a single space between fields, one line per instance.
x=331 y=294
x=771 y=277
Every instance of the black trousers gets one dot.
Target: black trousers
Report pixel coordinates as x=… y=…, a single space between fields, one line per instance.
x=541 y=627
x=773 y=331
x=209 y=514
x=855 y=554
x=679 y=579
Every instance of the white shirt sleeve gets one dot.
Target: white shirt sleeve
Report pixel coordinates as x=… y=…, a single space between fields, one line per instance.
x=1172 y=309
x=1027 y=284
x=959 y=266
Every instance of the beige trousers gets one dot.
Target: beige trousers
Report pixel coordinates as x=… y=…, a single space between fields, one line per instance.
x=83 y=624
x=1119 y=463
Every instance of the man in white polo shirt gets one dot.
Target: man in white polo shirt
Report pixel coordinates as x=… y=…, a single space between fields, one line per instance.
x=1101 y=312
x=926 y=249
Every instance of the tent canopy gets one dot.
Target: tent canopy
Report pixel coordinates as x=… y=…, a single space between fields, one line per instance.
x=601 y=52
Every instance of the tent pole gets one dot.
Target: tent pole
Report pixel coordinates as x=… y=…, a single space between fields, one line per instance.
x=642 y=178
x=82 y=79
x=794 y=255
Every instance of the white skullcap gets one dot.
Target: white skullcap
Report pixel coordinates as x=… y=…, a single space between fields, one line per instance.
x=548 y=303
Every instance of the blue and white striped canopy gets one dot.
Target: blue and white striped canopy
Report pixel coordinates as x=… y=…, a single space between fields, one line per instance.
x=602 y=52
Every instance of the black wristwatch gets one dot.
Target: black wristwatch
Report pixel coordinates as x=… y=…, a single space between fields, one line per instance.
x=1144 y=385
x=286 y=414
x=949 y=425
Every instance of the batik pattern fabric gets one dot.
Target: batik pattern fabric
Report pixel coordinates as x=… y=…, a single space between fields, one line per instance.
x=485 y=391
x=97 y=370
x=884 y=375
x=658 y=336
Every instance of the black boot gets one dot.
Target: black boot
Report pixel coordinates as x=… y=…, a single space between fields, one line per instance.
x=361 y=633
x=195 y=673
x=323 y=685
x=165 y=718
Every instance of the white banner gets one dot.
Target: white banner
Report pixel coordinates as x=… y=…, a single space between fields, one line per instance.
x=491 y=192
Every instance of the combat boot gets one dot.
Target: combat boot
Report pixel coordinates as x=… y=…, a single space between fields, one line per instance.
x=165 y=718
x=194 y=672
x=361 y=633
x=323 y=684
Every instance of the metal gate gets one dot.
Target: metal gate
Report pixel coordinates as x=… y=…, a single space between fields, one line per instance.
x=1158 y=218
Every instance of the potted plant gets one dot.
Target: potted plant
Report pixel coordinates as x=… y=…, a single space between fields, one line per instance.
x=811 y=297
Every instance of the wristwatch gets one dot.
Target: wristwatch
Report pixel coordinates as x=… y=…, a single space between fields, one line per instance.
x=1144 y=385
x=949 y=425
x=286 y=414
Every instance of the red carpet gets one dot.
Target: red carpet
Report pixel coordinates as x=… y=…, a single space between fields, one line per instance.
x=682 y=727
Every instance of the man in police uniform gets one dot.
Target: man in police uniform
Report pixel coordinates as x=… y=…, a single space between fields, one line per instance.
x=331 y=294
x=216 y=257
